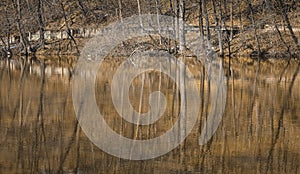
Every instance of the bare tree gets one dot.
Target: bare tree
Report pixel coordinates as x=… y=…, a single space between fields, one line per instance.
x=231 y=19
x=157 y=18
x=277 y=29
x=82 y=7
x=41 y=22
x=67 y=25
x=181 y=27
x=287 y=21
x=204 y=6
x=218 y=24
x=6 y=31
x=139 y=11
x=22 y=33
x=201 y=22
x=255 y=28
x=120 y=10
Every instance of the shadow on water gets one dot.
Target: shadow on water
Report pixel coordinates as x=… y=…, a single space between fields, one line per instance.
x=259 y=132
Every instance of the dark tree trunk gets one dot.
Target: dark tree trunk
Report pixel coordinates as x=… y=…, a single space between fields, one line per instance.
x=201 y=22
x=41 y=23
x=240 y=14
x=231 y=19
x=68 y=30
x=255 y=29
x=23 y=38
x=287 y=20
x=82 y=7
x=8 y=34
x=218 y=23
x=206 y=19
x=120 y=10
x=277 y=29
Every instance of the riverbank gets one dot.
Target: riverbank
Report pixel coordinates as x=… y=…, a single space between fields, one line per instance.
x=242 y=45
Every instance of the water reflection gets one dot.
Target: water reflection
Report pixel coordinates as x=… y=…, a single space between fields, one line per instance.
x=259 y=133
x=34 y=67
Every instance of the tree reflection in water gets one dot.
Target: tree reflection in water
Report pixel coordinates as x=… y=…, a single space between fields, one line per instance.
x=259 y=132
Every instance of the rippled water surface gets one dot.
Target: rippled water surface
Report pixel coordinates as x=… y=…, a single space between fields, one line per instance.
x=259 y=132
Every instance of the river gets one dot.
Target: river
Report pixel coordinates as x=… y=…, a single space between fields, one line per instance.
x=259 y=131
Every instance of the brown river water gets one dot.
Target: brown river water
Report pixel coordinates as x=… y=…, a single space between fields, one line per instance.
x=259 y=131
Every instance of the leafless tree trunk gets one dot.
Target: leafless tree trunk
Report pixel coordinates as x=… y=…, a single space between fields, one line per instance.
x=231 y=19
x=201 y=22
x=278 y=31
x=82 y=7
x=255 y=29
x=8 y=34
x=5 y=39
x=181 y=27
x=23 y=37
x=139 y=11
x=206 y=19
x=287 y=20
x=218 y=24
x=172 y=14
x=283 y=41
x=41 y=22
x=230 y=37
x=240 y=14
x=157 y=18
x=68 y=30
x=120 y=10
